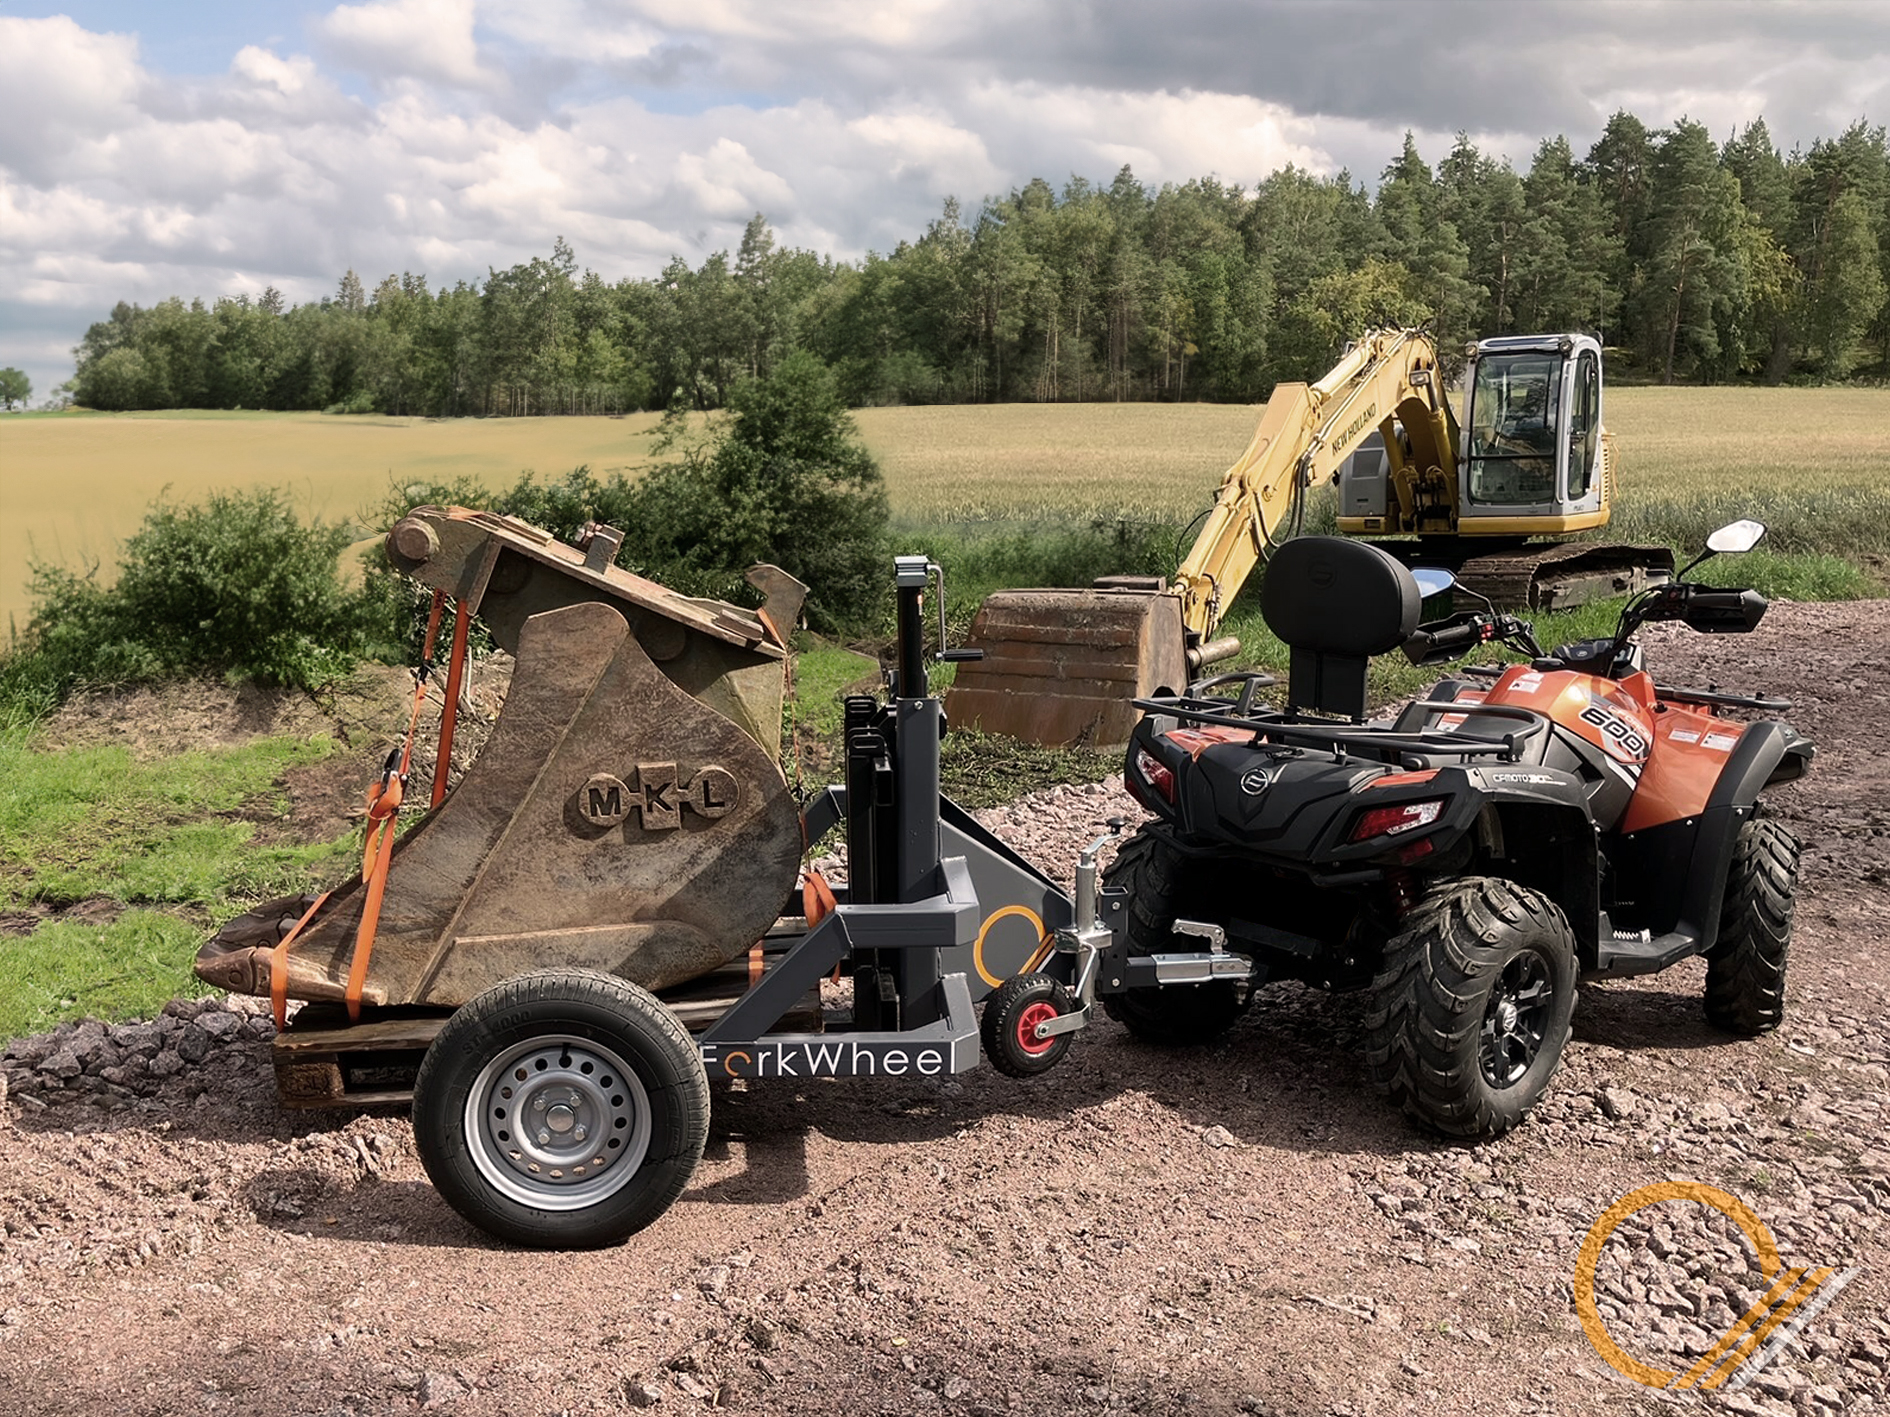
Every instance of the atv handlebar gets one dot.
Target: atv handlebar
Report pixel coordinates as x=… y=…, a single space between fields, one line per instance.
x=1446 y=639
x=1711 y=610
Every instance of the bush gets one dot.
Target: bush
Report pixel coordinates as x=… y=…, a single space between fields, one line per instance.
x=238 y=585
x=784 y=480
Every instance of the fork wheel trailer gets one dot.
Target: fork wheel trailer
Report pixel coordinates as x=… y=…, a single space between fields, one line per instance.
x=568 y=1107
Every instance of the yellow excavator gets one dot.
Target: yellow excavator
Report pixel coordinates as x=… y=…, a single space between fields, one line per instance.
x=1530 y=459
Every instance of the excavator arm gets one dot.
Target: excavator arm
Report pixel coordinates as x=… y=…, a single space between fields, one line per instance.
x=1306 y=430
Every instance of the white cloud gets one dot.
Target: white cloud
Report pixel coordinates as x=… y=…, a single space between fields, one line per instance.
x=641 y=129
x=61 y=87
x=727 y=183
x=1166 y=137
x=408 y=39
x=571 y=29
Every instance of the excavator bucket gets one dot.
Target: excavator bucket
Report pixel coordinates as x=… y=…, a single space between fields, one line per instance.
x=627 y=813
x=1062 y=667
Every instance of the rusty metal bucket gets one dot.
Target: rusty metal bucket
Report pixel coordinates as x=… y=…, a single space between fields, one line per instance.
x=627 y=812
x=1061 y=667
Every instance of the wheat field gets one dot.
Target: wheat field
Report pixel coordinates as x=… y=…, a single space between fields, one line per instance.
x=72 y=487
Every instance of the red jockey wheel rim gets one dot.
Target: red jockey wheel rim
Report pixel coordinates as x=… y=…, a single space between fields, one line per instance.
x=1027 y=1022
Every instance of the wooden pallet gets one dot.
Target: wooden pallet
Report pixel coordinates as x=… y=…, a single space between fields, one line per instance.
x=322 y=1060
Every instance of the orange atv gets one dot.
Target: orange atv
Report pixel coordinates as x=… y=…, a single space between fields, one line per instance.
x=1466 y=862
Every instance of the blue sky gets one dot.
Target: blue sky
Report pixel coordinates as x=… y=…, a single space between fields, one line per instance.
x=212 y=148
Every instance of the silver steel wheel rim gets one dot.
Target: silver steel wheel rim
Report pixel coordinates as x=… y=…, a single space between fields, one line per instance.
x=557 y=1123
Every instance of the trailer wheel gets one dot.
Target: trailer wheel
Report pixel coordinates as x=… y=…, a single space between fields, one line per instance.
x=1471 y=1010
x=564 y=1109
x=1009 y=1026
x=1745 y=969
x=1178 y=1014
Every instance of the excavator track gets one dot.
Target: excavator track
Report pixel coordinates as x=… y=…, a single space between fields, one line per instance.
x=1558 y=576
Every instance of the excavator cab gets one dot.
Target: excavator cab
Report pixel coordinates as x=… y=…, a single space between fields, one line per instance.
x=1526 y=401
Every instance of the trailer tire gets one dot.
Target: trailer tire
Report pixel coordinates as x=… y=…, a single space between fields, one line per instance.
x=1471 y=1010
x=1745 y=969
x=563 y=1109
x=1011 y=1014
x=1178 y=1014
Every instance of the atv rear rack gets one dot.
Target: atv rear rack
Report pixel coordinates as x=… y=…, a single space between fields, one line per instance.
x=1363 y=740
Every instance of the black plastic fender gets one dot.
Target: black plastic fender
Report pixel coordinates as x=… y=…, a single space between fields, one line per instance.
x=1547 y=842
x=1696 y=852
x=1768 y=752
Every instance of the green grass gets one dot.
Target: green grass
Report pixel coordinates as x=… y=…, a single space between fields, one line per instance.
x=823 y=674
x=175 y=838
x=1779 y=575
x=127 y=969
x=84 y=822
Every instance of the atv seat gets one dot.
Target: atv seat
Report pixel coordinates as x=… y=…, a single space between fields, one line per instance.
x=1336 y=603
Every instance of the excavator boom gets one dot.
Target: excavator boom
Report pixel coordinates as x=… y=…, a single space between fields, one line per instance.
x=1306 y=431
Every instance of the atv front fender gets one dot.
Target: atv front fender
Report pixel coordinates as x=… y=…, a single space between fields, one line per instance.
x=1767 y=753
x=1697 y=851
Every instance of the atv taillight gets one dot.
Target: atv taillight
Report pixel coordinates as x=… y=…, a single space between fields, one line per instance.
x=1153 y=772
x=1390 y=821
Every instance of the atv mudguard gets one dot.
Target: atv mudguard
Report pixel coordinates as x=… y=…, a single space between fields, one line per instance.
x=1549 y=846
x=1697 y=851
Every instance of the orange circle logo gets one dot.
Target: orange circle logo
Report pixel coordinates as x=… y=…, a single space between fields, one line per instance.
x=1786 y=1294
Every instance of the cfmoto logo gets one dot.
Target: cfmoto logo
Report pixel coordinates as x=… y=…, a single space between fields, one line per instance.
x=1256 y=782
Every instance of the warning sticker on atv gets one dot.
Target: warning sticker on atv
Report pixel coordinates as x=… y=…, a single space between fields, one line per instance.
x=1621 y=736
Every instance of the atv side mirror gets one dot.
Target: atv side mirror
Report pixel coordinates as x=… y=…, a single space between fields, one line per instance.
x=1736 y=536
x=1432 y=580
x=1741 y=535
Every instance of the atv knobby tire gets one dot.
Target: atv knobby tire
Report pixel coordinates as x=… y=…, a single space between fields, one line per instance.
x=1745 y=969
x=1178 y=1014
x=1471 y=1009
x=564 y=1109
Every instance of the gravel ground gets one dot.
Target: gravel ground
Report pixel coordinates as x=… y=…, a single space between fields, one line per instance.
x=1242 y=1228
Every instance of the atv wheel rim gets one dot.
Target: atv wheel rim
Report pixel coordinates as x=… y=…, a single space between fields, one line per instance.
x=557 y=1123
x=1028 y=1023
x=1514 y=1020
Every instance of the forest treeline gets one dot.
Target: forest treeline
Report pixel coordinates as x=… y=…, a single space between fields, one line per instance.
x=1694 y=260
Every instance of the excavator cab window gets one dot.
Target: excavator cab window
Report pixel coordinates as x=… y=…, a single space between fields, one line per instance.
x=1584 y=426
x=1515 y=413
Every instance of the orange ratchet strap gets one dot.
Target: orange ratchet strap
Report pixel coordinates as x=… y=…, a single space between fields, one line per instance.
x=279 y=964
x=383 y=803
x=817 y=903
x=449 y=714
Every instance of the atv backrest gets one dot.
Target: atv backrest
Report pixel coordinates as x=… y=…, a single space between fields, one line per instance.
x=1336 y=603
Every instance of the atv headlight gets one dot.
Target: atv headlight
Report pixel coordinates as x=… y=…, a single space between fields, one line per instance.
x=1390 y=821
